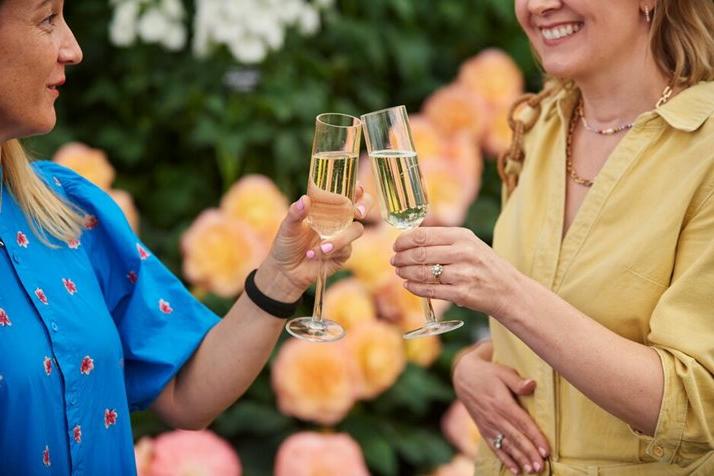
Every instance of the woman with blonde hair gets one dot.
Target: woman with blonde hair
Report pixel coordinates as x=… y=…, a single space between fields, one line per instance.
x=600 y=283
x=92 y=325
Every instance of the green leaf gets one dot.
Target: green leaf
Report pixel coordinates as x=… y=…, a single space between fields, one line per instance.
x=252 y=417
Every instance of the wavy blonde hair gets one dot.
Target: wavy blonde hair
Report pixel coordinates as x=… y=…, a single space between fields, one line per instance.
x=682 y=44
x=46 y=212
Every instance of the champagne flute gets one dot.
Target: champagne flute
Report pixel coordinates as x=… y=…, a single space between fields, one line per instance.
x=401 y=189
x=331 y=188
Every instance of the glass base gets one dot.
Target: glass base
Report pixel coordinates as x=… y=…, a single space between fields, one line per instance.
x=433 y=329
x=307 y=328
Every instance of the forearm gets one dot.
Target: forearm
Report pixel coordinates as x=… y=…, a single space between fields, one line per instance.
x=621 y=376
x=228 y=360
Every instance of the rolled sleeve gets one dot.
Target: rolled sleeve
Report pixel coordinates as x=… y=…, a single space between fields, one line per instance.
x=682 y=334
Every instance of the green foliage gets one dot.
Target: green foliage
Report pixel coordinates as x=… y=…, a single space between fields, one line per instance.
x=179 y=135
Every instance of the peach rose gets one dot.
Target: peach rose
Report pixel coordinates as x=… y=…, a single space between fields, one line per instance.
x=401 y=307
x=448 y=204
x=193 y=452
x=370 y=257
x=219 y=252
x=465 y=155
x=349 y=303
x=460 y=429
x=126 y=203
x=379 y=353
x=423 y=351
x=365 y=176
x=493 y=75
x=427 y=140
x=91 y=164
x=316 y=454
x=459 y=466
x=143 y=453
x=454 y=109
x=499 y=134
x=314 y=382
x=255 y=200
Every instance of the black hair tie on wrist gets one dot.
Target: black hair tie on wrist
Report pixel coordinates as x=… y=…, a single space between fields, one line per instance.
x=283 y=310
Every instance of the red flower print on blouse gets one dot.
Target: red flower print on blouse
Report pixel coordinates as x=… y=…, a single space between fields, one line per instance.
x=4 y=319
x=22 y=240
x=69 y=286
x=73 y=244
x=165 y=307
x=77 y=433
x=132 y=277
x=110 y=417
x=87 y=365
x=46 y=456
x=143 y=254
x=90 y=221
x=47 y=363
x=41 y=295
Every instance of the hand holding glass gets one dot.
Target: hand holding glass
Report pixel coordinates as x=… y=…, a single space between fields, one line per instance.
x=402 y=193
x=331 y=188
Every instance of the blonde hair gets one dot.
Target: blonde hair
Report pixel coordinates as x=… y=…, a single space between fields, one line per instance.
x=682 y=44
x=46 y=212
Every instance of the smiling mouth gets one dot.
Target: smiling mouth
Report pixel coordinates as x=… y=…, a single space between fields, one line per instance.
x=561 y=31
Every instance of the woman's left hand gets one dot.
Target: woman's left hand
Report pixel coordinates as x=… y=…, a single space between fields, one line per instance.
x=472 y=276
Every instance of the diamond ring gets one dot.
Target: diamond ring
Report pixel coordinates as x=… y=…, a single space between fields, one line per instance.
x=498 y=441
x=436 y=271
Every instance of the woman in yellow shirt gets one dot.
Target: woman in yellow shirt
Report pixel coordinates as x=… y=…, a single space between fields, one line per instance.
x=600 y=284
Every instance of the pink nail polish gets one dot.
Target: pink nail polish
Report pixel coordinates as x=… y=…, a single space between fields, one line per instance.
x=327 y=247
x=310 y=254
x=542 y=452
x=362 y=211
x=301 y=204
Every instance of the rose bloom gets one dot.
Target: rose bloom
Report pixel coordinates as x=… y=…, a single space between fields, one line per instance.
x=144 y=453
x=464 y=154
x=193 y=453
x=401 y=307
x=349 y=303
x=460 y=429
x=423 y=351
x=365 y=176
x=370 y=257
x=498 y=135
x=493 y=75
x=314 y=382
x=91 y=164
x=219 y=252
x=454 y=109
x=460 y=466
x=448 y=204
x=378 y=350
x=126 y=203
x=317 y=454
x=427 y=139
x=254 y=199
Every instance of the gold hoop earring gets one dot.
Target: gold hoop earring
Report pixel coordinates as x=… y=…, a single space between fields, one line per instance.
x=647 y=14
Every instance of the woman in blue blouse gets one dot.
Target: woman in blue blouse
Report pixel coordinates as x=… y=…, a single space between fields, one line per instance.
x=92 y=325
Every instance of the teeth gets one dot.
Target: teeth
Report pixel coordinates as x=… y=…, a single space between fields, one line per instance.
x=561 y=31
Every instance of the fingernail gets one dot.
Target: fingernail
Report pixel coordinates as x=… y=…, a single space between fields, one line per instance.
x=514 y=471
x=528 y=468
x=542 y=452
x=362 y=211
x=310 y=254
x=536 y=466
x=392 y=260
x=327 y=247
x=300 y=204
x=405 y=284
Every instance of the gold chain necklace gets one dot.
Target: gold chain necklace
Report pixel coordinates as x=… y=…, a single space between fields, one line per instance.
x=578 y=114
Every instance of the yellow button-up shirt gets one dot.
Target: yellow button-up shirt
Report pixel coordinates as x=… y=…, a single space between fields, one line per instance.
x=639 y=259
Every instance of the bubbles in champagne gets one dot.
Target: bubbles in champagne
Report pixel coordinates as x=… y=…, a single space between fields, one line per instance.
x=331 y=189
x=402 y=194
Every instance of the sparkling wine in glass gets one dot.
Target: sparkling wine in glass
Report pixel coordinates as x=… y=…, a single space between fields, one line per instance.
x=401 y=190
x=331 y=188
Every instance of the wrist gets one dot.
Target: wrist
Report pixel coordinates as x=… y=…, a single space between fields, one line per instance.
x=518 y=303
x=276 y=284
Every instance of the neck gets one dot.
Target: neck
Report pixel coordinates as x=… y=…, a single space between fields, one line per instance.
x=623 y=91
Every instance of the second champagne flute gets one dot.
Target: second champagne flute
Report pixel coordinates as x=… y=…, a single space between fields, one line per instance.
x=402 y=194
x=331 y=188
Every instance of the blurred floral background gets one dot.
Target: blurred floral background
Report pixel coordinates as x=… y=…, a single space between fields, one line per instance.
x=197 y=117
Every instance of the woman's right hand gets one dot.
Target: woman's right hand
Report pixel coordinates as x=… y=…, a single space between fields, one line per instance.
x=488 y=391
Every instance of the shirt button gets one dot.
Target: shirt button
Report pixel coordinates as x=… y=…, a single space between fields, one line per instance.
x=2 y=244
x=54 y=326
x=658 y=451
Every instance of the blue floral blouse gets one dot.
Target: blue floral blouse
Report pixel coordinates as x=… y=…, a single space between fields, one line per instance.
x=89 y=331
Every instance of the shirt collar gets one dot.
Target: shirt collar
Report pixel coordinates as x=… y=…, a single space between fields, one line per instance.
x=688 y=110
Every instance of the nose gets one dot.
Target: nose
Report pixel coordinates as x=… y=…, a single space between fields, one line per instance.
x=70 y=52
x=543 y=7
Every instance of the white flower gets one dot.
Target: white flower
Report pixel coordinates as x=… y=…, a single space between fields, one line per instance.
x=175 y=38
x=248 y=50
x=309 y=21
x=153 y=26
x=122 y=30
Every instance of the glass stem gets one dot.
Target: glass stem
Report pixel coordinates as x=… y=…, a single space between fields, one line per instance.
x=319 y=292
x=428 y=310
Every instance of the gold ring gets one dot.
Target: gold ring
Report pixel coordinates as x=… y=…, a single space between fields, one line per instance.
x=436 y=271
